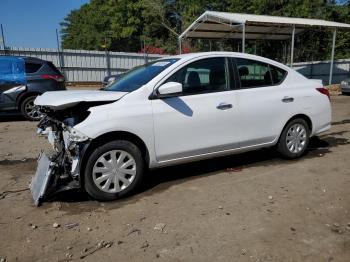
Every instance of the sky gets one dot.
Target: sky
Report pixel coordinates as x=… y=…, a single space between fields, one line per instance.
x=32 y=23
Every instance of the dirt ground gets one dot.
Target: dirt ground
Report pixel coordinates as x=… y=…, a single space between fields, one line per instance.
x=248 y=207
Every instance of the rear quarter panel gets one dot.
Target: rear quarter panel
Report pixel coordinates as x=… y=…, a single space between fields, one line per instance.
x=310 y=102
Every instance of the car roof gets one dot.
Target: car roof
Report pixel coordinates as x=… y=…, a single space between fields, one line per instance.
x=27 y=58
x=190 y=56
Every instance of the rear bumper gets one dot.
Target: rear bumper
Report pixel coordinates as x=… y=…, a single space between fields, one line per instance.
x=323 y=128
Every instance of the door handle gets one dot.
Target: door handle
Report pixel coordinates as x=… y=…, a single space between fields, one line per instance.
x=224 y=106
x=287 y=99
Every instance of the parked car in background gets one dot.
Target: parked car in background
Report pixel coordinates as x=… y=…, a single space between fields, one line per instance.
x=175 y=110
x=22 y=79
x=110 y=79
x=345 y=86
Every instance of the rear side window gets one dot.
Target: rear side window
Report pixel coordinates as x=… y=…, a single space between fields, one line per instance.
x=258 y=74
x=32 y=67
x=277 y=74
x=54 y=68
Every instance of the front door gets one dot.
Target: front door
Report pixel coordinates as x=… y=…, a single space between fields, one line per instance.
x=204 y=118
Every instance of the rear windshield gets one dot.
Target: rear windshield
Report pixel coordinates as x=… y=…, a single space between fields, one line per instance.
x=139 y=76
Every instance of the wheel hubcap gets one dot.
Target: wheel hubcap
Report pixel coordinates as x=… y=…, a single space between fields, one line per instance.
x=296 y=138
x=114 y=171
x=30 y=110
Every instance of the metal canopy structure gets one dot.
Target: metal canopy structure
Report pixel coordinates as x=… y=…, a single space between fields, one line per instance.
x=222 y=25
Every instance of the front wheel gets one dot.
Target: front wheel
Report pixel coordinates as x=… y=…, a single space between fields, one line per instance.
x=113 y=170
x=28 y=109
x=294 y=139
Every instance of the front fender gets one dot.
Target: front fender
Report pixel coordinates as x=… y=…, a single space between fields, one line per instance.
x=121 y=117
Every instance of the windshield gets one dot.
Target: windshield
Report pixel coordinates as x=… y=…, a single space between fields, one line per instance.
x=139 y=76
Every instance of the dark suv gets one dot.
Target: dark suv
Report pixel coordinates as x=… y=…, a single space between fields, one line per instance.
x=22 y=79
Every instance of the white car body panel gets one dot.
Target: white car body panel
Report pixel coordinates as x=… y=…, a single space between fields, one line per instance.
x=185 y=128
x=196 y=125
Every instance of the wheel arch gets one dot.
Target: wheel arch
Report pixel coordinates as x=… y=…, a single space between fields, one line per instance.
x=302 y=116
x=24 y=95
x=108 y=137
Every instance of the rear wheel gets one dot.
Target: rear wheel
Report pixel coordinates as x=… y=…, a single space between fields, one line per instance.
x=294 y=139
x=28 y=109
x=113 y=170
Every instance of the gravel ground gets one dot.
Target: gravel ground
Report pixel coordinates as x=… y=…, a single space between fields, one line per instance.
x=247 y=207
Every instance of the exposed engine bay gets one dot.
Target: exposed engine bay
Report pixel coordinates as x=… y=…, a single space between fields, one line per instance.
x=60 y=170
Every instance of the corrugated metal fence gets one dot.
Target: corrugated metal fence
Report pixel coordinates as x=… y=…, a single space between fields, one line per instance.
x=93 y=66
x=320 y=70
x=84 y=65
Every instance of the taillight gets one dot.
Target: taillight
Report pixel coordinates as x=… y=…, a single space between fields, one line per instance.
x=58 y=78
x=324 y=91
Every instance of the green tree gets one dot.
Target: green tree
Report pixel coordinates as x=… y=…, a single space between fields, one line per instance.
x=121 y=25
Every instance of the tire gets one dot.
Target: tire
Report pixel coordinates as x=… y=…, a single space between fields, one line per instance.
x=27 y=109
x=98 y=181
x=345 y=93
x=294 y=139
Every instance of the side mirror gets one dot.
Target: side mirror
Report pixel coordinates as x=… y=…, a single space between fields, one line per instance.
x=170 y=88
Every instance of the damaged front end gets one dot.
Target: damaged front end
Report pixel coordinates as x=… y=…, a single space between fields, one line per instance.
x=59 y=170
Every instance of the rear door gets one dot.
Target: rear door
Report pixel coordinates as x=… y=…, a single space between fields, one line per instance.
x=204 y=118
x=261 y=101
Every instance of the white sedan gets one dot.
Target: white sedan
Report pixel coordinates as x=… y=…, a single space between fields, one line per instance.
x=174 y=110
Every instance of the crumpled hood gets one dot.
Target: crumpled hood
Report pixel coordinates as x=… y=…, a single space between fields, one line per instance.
x=58 y=100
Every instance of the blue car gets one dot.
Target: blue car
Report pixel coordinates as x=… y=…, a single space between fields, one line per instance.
x=22 y=79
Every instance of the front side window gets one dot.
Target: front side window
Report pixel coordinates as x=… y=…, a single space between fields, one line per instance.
x=139 y=76
x=203 y=76
x=258 y=74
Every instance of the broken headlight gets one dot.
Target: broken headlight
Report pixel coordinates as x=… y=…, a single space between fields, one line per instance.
x=72 y=136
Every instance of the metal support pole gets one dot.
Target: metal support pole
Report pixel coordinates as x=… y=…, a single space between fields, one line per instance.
x=180 y=48
x=255 y=47
x=58 y=51
x=292 y=48
x=3 y=38
x=243 y=38
x=108 y=63
x=332 y=57
x=144 y=51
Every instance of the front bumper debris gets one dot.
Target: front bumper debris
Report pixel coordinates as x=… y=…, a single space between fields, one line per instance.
x=51 y=179
x=41 y=181
x=59 y=171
